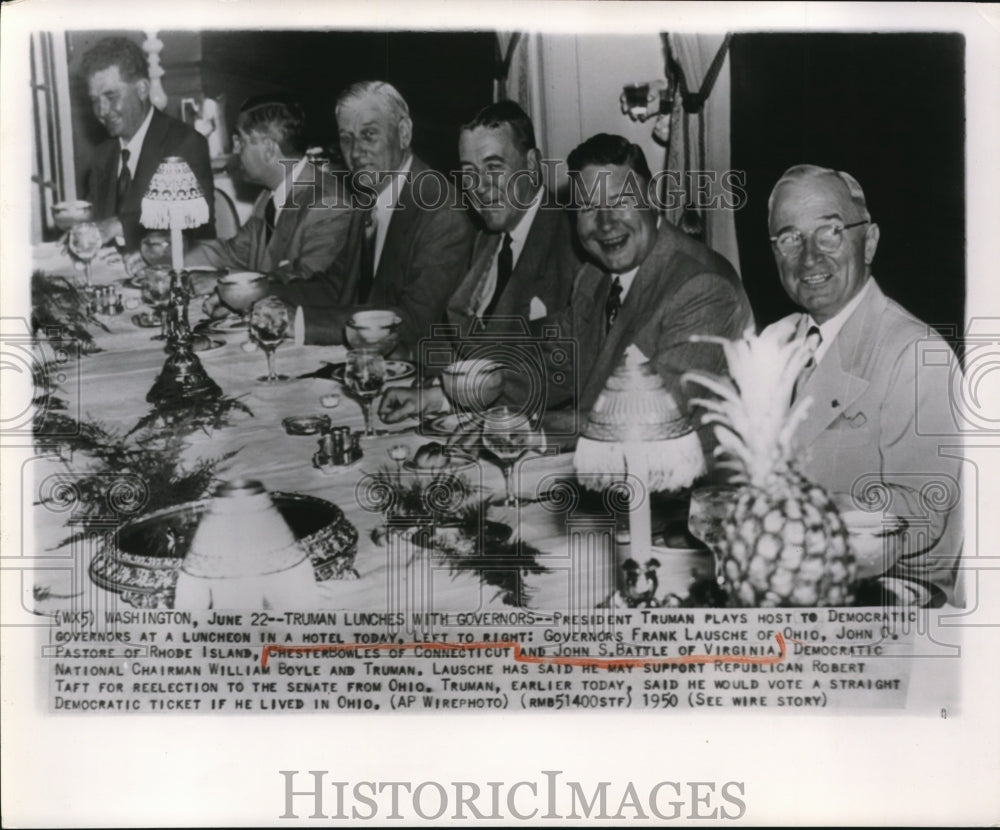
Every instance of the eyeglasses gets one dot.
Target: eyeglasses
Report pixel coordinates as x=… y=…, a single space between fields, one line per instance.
x=828 y=239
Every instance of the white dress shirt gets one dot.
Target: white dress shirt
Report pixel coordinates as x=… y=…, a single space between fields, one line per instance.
x=831 y=328
x=518 y=236
x=385 y=203
x=134 y=144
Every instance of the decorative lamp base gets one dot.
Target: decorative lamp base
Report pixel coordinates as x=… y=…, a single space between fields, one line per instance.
x=182 y=378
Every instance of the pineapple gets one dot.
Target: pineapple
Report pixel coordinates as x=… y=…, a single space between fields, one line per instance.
x=785 y=543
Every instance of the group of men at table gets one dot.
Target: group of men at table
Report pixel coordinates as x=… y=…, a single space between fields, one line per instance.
x=607 y=273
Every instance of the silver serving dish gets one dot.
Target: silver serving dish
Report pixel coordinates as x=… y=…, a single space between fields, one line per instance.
x=140 y=562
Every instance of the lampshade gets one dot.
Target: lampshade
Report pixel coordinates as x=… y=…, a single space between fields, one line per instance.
x=636 y=416
x=244 y=555
x=174 y=199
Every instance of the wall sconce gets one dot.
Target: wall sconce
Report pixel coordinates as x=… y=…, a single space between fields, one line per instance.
x=650 y=99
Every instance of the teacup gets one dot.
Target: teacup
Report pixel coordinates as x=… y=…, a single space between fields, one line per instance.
x=374 y=328
x=473 y=385
x=241 y=289
x=67 y=214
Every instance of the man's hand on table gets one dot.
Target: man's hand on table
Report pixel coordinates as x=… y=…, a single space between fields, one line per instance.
x=399 y=403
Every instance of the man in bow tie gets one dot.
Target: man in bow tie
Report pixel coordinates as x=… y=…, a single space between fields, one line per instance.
x=140 y=137
x=861 y=433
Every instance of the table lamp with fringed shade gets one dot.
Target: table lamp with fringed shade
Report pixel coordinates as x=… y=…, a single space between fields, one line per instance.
x=636 y=429
x=174 y=201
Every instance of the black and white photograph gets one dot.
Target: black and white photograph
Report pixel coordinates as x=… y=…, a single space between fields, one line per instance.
x=561 y=413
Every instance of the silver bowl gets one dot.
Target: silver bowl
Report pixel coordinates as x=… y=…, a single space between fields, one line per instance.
x=67 y=214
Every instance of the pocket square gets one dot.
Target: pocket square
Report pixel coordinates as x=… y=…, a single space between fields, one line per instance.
x=857 y=420
x=537 y=310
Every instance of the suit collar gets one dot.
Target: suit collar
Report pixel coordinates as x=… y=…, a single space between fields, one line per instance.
x=840 y=377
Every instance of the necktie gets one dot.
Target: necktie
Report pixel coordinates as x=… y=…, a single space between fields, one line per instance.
x=613 y=304
x=270 y=212
x=505 y=265
x=124 y=182
x=368 y=257
x=815 y=337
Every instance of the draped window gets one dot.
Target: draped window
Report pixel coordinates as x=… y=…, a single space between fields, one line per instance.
x=704 y=146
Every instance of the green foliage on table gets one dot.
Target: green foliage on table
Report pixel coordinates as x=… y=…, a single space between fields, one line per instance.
x=122 y=475
x=450 y=520
x=58 y=304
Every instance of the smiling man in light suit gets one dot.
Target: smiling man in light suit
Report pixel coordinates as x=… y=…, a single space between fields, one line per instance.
x=861 y=434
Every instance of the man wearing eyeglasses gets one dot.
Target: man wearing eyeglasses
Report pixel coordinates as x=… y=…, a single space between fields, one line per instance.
x=861 y=429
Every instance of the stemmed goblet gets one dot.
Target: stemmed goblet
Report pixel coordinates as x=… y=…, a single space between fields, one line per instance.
x=156 y=292
x=364 y=375
x=84 y=241
x=270 y=319
x=509 y=434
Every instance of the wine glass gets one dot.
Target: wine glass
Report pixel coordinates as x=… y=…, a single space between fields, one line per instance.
x=707 y=514
x=472 y=386
x=270 y=319
x=156 y=292
x=510 y=435
x=84 y=241
x=364 y=375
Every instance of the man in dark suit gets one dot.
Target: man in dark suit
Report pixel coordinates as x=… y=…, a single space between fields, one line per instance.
x=141 y=137
x=649 y=285
x=299 y=221
x=407 y=246
x=523 y=260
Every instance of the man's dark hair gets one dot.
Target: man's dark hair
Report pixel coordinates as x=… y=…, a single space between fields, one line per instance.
x=280 y=119
x=506 y=112
x=602 y=149
x=126 y=54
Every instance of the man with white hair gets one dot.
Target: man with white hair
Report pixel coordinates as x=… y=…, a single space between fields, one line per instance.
x=407 y=245
x=862 y=434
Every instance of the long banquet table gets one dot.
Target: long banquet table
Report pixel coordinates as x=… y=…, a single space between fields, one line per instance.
x=112 y=384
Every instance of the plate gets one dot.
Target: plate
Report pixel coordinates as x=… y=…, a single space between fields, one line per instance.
x=905 y=592
x=209 y=346
x=229 y=323
x=457 y=463
x=449 y=424
x=145 y=320
x=394 y=370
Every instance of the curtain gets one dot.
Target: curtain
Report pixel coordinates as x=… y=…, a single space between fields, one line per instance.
x=695 y=54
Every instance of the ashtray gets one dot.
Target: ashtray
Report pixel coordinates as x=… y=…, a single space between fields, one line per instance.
x=306 y=424
x=145 y=320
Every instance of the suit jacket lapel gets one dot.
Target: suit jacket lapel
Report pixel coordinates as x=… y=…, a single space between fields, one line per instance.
x=838 y=380
x=642 y=300
x=149 y=159
x=461 y=307
x=401 y=224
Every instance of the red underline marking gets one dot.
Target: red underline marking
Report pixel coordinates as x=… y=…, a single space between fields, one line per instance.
x=596 y=662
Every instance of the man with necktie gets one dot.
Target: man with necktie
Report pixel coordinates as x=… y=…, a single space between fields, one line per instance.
x=861 y=432
x=648 y=285
x=141 y=136
x=299 y=221
x=407 y=246
x=524 y=258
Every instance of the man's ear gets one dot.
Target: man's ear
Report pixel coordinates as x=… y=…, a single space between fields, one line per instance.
x=405 y=133
x=142 y=89
x=535 y=166
x=871 y=243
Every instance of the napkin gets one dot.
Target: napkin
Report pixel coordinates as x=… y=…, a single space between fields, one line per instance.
x=537 y=309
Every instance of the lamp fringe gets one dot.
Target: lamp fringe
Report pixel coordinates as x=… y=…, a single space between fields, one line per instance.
x=674 y=463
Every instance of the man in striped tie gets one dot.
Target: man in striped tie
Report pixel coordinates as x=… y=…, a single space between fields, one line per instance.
x=864 y=431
